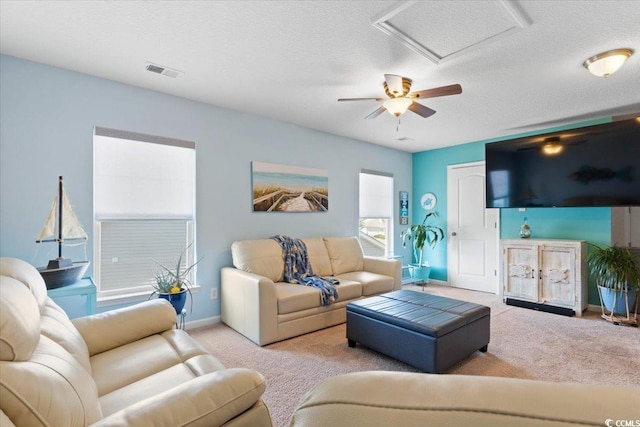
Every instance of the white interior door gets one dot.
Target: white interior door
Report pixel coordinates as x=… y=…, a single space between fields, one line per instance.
x=472 y=248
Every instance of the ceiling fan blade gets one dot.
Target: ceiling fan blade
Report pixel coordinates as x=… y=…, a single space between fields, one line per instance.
x=394 y=84
x=438 y=91
x=421 y=110
x=376 y=113
x=360 y=99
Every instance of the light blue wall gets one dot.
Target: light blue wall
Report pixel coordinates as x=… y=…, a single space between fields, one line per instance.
x=47 y=117
x=430 y=175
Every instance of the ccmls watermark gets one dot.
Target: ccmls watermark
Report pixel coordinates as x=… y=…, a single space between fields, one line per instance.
x=622 y=423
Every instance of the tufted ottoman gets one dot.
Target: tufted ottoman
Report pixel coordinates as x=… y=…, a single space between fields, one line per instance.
x=427 y=331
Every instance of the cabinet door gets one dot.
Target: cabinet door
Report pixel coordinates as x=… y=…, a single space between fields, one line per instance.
x=557 y=275
x=520 y=272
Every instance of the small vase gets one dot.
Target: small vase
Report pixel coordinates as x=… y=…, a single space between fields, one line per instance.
x=525 y=231
x=177 y=299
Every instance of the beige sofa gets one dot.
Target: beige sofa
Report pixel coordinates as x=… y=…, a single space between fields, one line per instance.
x=258 y=304
x=381 y=399
x=126 y=367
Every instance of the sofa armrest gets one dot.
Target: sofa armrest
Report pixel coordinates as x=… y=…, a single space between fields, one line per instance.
x=248 y=304
x=387 y=267
x=114 y=328
x=404 y=398
x=211 y=399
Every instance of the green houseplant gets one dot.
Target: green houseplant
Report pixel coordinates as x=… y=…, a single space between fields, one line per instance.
x=617 y=274
x=422 y=235
x=173 y=284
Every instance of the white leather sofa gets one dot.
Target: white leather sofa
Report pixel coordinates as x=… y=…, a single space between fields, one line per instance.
x=382 y=399
x=259 y=305
x=126 y=367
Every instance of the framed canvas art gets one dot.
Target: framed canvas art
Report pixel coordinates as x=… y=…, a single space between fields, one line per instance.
x=284 y=188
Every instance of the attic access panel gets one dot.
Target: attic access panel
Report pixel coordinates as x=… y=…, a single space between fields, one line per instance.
x=438 y=29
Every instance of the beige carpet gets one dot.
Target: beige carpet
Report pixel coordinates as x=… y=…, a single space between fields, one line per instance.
x=524 y=344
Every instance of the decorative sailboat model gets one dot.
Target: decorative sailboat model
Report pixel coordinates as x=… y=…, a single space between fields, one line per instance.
x=62 y=271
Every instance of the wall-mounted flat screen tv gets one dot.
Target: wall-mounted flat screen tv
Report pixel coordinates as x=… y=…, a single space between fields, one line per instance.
x=590 y=166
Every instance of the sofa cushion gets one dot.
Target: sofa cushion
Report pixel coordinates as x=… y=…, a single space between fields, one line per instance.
x=19 y=321
x=318 y=256
x=345 y=254
x=294 y=297
x=348 y=289
x=262 y=257
x=50 y=389
x=372 y=283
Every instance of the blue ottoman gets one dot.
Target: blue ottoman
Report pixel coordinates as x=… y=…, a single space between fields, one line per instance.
x=427 y=331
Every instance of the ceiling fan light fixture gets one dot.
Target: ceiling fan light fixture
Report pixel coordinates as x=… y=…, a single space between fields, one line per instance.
x=552 y=149
x=606 y=63
x=397 y=106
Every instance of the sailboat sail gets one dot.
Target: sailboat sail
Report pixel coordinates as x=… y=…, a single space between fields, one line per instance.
x=71 y=227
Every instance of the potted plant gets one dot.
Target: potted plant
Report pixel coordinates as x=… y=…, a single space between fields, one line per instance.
x=422 y=234
x=617 y=274
x=174 y=284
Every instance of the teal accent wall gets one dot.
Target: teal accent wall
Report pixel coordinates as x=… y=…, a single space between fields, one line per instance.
x=430 y=175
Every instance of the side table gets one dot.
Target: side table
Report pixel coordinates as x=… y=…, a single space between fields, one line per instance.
x=82 y=287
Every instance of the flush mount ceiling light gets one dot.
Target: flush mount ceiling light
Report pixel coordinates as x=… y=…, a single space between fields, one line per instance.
x=606 y=63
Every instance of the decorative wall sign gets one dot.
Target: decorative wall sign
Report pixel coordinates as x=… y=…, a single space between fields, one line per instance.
x=404 y=208
x=428 y=201
x=284 y=188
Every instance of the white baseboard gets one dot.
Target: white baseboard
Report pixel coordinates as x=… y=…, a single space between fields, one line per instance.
x=592 y=307
x=430 y=282
x=202 y=322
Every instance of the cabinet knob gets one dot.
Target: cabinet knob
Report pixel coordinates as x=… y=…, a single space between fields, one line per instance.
x=454 y=234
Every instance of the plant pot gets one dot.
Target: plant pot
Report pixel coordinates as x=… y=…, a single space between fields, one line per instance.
x=177 y=299
x=420 y=272
x=616 y=301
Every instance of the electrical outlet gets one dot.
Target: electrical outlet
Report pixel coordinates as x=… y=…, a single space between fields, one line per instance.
x=214 y=293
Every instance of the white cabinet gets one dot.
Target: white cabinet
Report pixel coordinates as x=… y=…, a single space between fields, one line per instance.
x=545 y=273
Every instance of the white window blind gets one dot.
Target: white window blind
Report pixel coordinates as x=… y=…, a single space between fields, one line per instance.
x=376 y=213
x=144 y=208
x=376 y=195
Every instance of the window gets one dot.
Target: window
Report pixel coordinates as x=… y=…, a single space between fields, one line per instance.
x=376 y=213
x=144 y=208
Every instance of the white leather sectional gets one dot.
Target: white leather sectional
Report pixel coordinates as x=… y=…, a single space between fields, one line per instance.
x=125 y=367
x=258 y=304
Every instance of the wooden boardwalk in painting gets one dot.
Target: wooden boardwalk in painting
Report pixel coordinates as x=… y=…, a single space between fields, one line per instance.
x=284 y=200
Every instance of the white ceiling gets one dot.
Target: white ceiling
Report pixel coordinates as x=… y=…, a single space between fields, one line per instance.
x=519 y=62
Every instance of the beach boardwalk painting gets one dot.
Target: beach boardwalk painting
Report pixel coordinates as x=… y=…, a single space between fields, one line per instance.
x=283 y=188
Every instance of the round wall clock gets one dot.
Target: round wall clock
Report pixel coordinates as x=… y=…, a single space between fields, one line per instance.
x=428 y=201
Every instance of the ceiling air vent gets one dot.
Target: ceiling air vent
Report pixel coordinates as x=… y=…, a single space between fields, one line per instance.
x=159 y=69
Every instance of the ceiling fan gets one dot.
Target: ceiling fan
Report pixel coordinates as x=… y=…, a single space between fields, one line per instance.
x=400 y=100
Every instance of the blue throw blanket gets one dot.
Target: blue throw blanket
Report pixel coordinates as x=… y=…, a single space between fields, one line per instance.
x=297 y=269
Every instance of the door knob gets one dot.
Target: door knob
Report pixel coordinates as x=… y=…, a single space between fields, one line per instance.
x=454 y=234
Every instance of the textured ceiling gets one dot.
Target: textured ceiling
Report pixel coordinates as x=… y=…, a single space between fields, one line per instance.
x=291 y=60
